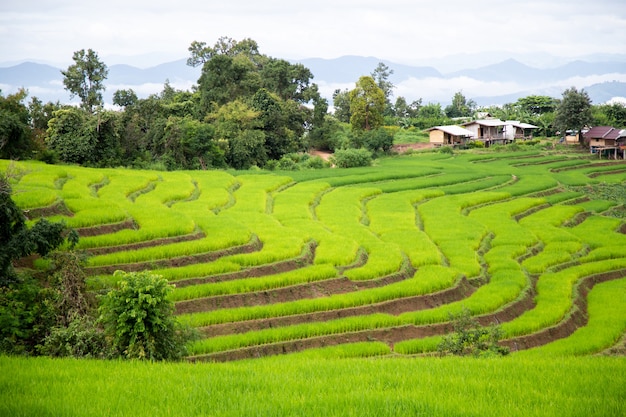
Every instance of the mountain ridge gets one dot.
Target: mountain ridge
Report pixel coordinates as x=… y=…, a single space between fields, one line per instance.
x=603 y=80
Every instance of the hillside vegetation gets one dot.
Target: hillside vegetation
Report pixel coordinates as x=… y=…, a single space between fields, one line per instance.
x=331 y=264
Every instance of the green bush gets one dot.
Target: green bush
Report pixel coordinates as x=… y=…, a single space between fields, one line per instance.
x=138 y=318
x=81 y=338
x=350 y=158
x=469 y=338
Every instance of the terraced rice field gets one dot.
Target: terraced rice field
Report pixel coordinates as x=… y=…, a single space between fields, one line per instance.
x=371 y=260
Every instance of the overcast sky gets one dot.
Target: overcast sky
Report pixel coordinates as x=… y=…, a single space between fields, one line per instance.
x=402 y=31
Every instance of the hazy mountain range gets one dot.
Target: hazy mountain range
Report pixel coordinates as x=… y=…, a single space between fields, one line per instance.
x=499 y=83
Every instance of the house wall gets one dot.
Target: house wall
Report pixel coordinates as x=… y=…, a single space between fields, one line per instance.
x=436 y=136
x=571 y=139
x=601 y=142
x=473 y=128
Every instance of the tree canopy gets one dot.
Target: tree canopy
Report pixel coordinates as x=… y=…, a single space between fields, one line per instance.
x=85 y=79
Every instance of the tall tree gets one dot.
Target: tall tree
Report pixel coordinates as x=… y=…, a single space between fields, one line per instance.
x=381 y=75
x=367 y=104
x=15 y=133
x=341 y=103
x=85 y=79
x=460 y=107
x=573 y=112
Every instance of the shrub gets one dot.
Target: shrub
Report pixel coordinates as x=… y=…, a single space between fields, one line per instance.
x=469 y=338
x=350 y=158
x=81 y=338
x=138 y=319
x=446 y=150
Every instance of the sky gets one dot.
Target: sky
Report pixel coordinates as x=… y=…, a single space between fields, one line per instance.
x=148 y=32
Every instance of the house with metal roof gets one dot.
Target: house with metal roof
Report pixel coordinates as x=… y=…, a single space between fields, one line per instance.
x=496 y=131
x=449 y=135
x=606 y=140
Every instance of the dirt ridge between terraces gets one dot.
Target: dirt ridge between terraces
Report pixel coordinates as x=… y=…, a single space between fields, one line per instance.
x=577 y=317
x=146 y=244
x=340 y=285
x=389 y=335
x=256 y=245
x=462 y=289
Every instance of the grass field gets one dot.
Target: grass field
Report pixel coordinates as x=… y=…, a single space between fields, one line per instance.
x=351 y=272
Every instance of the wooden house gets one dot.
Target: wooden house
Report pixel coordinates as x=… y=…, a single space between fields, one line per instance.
x=449 y=135
x=519 y=130
x=605 y=140
x=489 y=131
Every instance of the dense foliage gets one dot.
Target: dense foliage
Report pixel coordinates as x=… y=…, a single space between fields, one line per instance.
x=137 y=318
x=248 y=110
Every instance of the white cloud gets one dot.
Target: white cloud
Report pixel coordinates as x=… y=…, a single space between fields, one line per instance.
x=400 y=30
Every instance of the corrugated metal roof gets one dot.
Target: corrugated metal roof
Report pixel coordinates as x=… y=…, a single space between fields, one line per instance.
x=487 y=122
x=453 y=130
x=602 y=132
x=521 y=125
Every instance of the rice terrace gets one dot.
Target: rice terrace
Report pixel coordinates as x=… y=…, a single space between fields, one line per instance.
x=327 y=292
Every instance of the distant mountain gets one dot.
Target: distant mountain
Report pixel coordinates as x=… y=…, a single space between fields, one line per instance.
x=348 y=69
x=599 y=93
x=493 y=84
x=512 y=70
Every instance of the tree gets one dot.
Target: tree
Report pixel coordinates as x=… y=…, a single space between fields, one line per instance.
x=70 y=137
x=16 y=139
x=85 y=79
x=573 y=112
x=381 y=75
x=124 y=98
x=138 y=318
x=460 y=107
x=17 y=240
x=341 y=103
x=367 y=104
x=537 y=105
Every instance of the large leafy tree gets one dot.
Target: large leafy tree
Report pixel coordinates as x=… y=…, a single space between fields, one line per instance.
x=15 y=133
x=16 y=239
x=367 y=104
x=381 y=75
x=460 y=107
x=574 y=111
x=85 y=79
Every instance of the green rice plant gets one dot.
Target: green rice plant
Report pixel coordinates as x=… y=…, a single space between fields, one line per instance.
x=416 y=244
x=606 y=325
x=481 y=184
x=599 y=231
x=307 y=274
x=176 y=186
x=502 y=257
x=504 y=287
x=514 y=386
x=295 y=332
x=382 y=259
x=343 y=351
x=554 y=296
x=597 y=206
x=34 y=198
x=252 y=195
x=418 y=346
x=528 y=184
x=547 y=224
x=552 y=254
x=561 y=197
x=219 y=266
x=294 y=203
x=498 y=218
x=425 y=280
